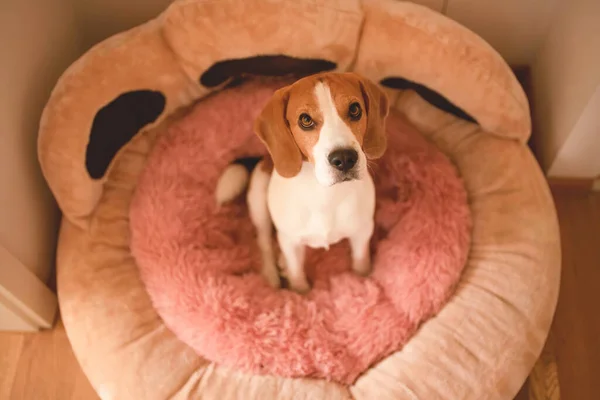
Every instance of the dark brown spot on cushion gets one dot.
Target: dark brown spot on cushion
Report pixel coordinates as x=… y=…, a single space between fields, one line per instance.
x=117 y=123
x=434 y=98
x=266 y=65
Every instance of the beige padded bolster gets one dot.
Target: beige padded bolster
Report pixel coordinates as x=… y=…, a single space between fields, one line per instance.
x=204 y=32
x=401 y=39
x=135 y=60
x=484 y=342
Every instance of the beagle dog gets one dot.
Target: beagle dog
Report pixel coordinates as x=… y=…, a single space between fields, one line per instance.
x=315 y=187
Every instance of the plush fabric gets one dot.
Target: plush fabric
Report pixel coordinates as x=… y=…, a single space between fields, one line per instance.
x=197 y=261
x=481 y=345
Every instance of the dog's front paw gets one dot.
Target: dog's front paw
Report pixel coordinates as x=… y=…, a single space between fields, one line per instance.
x=300 y=286
x=362 y=267
x=271 y=276
x=282 y=265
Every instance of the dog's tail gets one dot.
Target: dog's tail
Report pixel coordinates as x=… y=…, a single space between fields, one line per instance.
x=235 y=179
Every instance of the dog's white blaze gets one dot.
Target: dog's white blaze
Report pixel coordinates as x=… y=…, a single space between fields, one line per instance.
x=334 y=133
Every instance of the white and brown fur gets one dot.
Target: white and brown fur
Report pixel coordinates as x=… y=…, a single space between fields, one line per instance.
x=315 y=187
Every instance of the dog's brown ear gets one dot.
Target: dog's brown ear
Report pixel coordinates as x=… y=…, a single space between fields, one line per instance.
x=377 y=105
x=272 y=128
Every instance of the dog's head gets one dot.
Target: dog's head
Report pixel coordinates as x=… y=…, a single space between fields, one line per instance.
x=336 y=121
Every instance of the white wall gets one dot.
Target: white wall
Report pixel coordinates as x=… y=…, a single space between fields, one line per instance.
x=579 y=156
x=38 y=40
x=566 y=73
x=515 y=28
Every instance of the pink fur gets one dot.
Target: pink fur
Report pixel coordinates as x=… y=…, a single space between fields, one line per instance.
x=198 y=263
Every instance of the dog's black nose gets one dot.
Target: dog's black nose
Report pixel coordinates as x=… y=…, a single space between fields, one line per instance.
x=343 y=159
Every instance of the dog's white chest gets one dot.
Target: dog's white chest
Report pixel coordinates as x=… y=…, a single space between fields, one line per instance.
x=318 y=216
x=320 y=230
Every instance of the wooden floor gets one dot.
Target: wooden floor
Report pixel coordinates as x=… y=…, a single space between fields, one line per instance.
x=42 y=366
x=576 y=328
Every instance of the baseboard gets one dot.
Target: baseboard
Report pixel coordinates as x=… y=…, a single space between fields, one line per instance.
x=27 y=304
x=580 y=184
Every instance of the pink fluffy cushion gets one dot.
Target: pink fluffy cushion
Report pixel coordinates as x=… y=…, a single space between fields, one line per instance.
x=200 y=263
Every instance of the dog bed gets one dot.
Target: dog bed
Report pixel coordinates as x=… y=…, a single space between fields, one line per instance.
x=109 y=107
x=196 y=259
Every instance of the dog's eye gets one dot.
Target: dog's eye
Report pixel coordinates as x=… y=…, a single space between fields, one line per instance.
x=354 y=111
x=306 y=122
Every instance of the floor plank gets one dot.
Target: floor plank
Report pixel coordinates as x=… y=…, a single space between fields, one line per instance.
x=11 y=346
x=41 y=366
x=543 y=382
